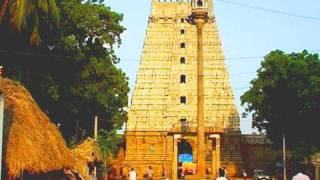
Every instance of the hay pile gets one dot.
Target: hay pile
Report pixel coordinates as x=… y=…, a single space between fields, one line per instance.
x=32 y=143
x=87 y=152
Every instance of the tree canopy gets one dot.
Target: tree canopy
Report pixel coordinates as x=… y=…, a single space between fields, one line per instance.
x=72 y=74
x=285 y=98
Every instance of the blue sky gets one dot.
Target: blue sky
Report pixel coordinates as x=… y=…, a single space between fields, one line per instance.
x=244 y=32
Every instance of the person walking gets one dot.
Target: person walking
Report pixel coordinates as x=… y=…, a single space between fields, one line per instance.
x=222 y=173
x=132 y=174
x=300 y=176
x=244 y=174
x=149 y=173
x=226 y=175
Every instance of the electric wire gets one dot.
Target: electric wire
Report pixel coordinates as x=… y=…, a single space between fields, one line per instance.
x=271 y=10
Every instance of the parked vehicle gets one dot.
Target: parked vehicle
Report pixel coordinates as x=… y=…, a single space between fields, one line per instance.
x=259 y=174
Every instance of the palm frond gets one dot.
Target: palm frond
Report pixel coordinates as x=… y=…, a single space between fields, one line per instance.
x=23 y=15
x=54 y=12
x=43 y=5
x=35 y=38
x=19 y=11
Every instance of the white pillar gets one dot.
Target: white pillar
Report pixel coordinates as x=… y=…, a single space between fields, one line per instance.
x=95 y=135
x=284 y=158
x=1 y=129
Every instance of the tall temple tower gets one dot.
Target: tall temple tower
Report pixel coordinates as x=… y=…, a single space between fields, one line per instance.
x=182 y=99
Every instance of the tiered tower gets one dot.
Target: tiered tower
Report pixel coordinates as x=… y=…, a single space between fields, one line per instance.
x=182 y=93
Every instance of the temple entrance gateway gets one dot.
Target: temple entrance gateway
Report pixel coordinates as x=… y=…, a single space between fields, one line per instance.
x=186 y=165
x=184 y=151
x=185 y=155
x=182 y=106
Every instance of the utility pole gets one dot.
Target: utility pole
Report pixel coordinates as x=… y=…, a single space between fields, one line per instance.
x=284 y=157
x=95 y=135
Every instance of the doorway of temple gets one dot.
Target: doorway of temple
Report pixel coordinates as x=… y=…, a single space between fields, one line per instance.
x=186 y=166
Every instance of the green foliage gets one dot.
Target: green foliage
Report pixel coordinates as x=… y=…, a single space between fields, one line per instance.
x=73 y=74
x=285 y=98
x=109 y=142
x=303 y=151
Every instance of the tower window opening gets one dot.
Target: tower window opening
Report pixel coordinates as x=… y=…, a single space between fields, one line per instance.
x=183 y=79
x=182 y=31
x=183 y=119
x=183 y=45
x=184 y=124
x=183 y=100
x=182 y=20
x=182 y=60
x=200 y=3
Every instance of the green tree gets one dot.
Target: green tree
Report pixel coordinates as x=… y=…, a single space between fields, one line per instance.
x=110 y=142
x=29 y=17
x=74 y=77
x=285 y=98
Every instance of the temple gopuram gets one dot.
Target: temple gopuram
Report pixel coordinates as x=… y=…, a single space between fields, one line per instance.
x=182 y=104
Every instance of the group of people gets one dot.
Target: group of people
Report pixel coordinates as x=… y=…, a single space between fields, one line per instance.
x=222 y=174
x=147 y=176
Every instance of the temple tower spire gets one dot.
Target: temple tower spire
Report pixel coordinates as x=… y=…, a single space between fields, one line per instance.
x=182 y=94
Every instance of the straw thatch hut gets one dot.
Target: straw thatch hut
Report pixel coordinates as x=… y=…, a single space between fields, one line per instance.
x=33 y=146
x=88 y=155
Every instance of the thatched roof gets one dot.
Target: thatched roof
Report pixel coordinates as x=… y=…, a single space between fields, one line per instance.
x=32 y=143
x=88 y=150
